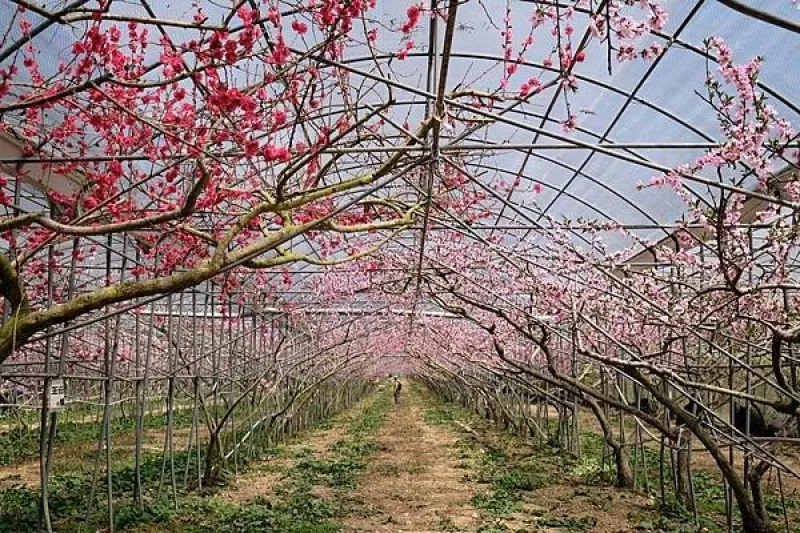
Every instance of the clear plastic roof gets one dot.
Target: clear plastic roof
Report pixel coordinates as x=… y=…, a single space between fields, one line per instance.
x=633 y=119
x=639 y=102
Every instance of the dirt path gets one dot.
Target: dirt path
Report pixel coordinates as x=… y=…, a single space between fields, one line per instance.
x=414 y=483
x=422 y=466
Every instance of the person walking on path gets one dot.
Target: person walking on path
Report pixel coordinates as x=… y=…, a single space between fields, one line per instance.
x=397 y=387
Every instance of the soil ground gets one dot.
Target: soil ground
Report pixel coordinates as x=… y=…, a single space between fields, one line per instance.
x=414 y=482
x=79 y=456
x=420 y=466
x=430 y=473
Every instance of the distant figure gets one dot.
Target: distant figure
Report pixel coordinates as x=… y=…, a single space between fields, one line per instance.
x=397 y=387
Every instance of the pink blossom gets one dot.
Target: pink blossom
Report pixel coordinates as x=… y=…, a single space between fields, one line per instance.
x=299 y=26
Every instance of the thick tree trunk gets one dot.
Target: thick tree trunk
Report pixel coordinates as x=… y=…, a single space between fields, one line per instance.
x=756 y=524
x=213 y=460
x=625 y=477
x=751 y=521
x=754 y=477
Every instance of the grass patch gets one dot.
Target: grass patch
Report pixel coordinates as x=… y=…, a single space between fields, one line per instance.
x=498 y=502
x=19 y=443
x=569 y=523
x=498 y=464
x=295 y=508
x=510 y=466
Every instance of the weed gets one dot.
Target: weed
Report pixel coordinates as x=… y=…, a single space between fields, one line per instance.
x=296 y=509
x=517 y=479
x=19 y=509
x=494 y=528
x=497 y=502
x=570 y=523
x=22 y=442
x=338 y=472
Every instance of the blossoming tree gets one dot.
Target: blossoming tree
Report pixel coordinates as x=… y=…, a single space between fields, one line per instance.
x=222 y=151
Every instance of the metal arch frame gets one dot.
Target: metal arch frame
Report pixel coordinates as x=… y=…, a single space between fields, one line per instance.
x=630 y=96
x=621 y=111
x=498 y=117
x=582 y=77
x=582 y=145
x=530 y=150
x=594 y=152
x=671 y=38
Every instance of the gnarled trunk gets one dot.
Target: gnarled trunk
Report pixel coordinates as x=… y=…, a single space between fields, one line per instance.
x=752 y=521
x=754 y=477
x=625 y=477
